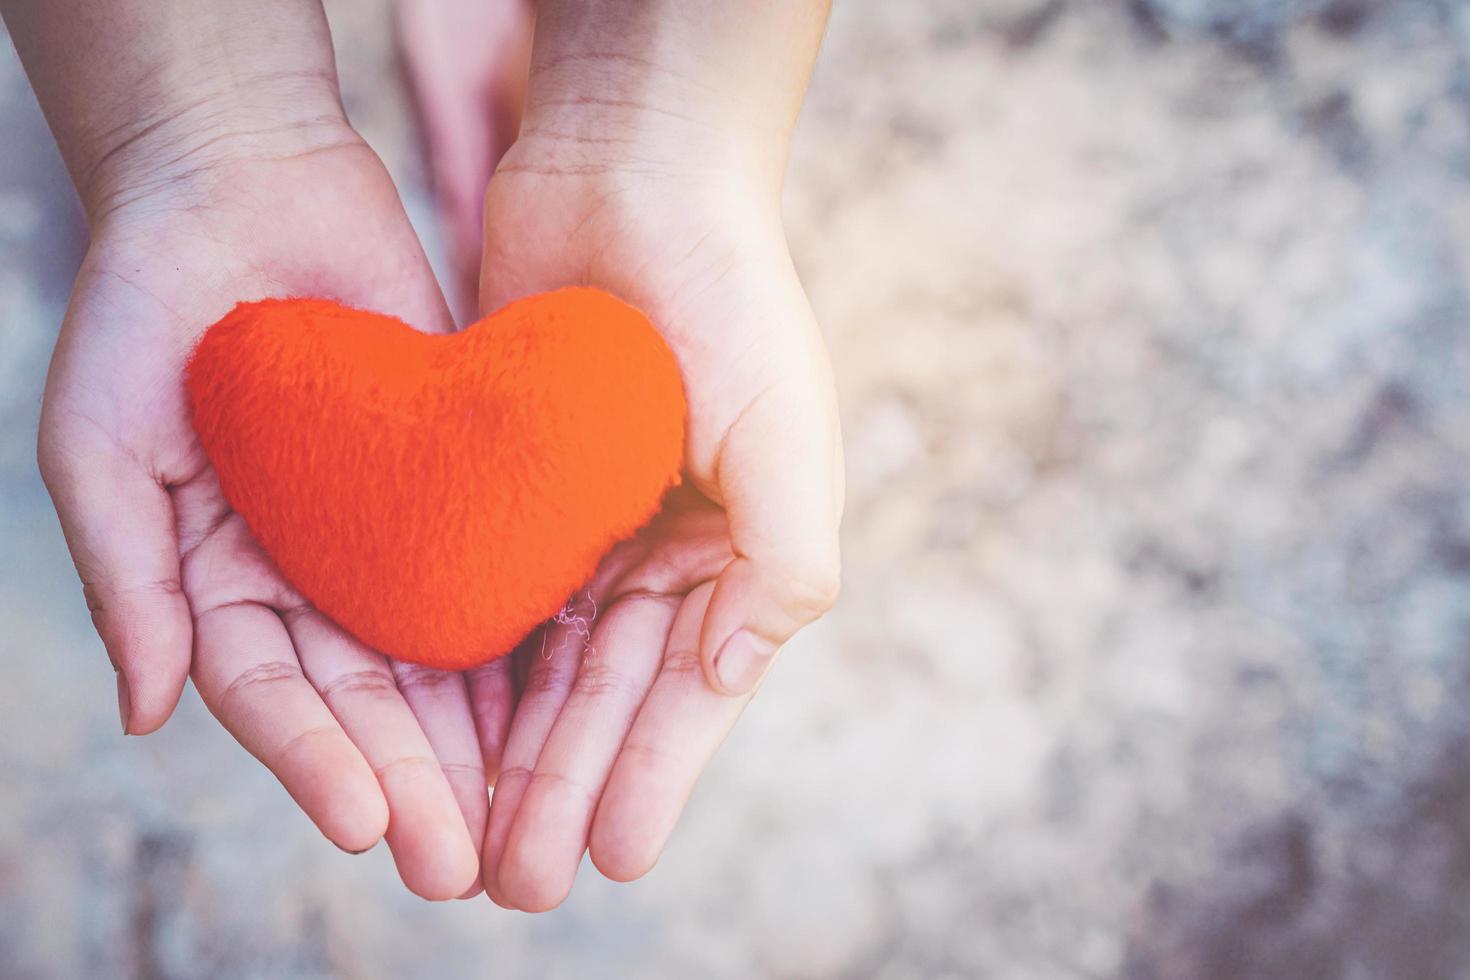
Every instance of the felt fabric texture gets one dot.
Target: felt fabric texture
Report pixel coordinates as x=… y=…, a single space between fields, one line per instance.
x=439 y=496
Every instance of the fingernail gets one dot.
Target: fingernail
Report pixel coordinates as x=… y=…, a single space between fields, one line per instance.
x=124 y=702
x=742 y=661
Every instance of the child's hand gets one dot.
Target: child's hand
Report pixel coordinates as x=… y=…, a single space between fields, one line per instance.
x=168 y=569
x=208 y=143
x=613 y=729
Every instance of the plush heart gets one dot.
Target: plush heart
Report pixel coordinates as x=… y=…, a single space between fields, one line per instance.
x=440 y=495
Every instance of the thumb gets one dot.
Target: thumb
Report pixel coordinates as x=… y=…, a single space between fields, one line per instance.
x=780 y=479
x=119 y=525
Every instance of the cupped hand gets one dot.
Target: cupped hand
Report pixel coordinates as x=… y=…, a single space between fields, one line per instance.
x=175 y=582
x=626 y=697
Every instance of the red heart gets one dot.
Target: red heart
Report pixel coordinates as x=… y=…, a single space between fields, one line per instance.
x=440 y=495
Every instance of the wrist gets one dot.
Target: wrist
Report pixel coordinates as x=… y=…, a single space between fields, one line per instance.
x=678 y=89
x=141 y=94
x=671 y=187
x=589 y=116
x=174 y=144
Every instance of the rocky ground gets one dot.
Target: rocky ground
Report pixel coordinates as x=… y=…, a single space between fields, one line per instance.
x=1153 y=339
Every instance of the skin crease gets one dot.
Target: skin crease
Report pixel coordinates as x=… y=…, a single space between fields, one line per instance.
x=596 y=741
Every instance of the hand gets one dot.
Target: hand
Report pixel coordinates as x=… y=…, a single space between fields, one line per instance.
x=365 y=746
x=626 y=698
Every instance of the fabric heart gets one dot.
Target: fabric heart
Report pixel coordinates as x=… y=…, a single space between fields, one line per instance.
x=439 y=496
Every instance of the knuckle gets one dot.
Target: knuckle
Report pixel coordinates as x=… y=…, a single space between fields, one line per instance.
x=548 y=679
x=369 y=683
x=652 y=755
x=548 y=781
x=682 y=660
x=811 y=589
x=302 y=740
x=261 y=677
x=128 y=623
x=471 y=770
x=410 y=766
x=495 y=671
x=509 y=773
x=659 y=573
x=425 y=680
x=599 y=680
x=553 y=785
x=101 y=596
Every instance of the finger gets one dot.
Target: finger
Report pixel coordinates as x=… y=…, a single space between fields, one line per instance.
x=549 y=834
x=440 y=700
x=553 y=654
x=677 y=731
x=247 y=673
x=436 y=858
x=492 y=700
x=119 y=525
x=783 y=512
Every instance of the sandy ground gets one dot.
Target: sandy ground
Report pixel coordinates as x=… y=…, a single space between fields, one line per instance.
x=1151 y=329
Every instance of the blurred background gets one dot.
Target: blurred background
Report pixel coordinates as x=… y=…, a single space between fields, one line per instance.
x=1151 y=327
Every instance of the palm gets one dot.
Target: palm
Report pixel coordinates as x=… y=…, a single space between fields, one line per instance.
x=333 y=720
x=617 y=719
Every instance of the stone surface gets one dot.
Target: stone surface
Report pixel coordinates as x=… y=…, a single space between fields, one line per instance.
x=1153 y=342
